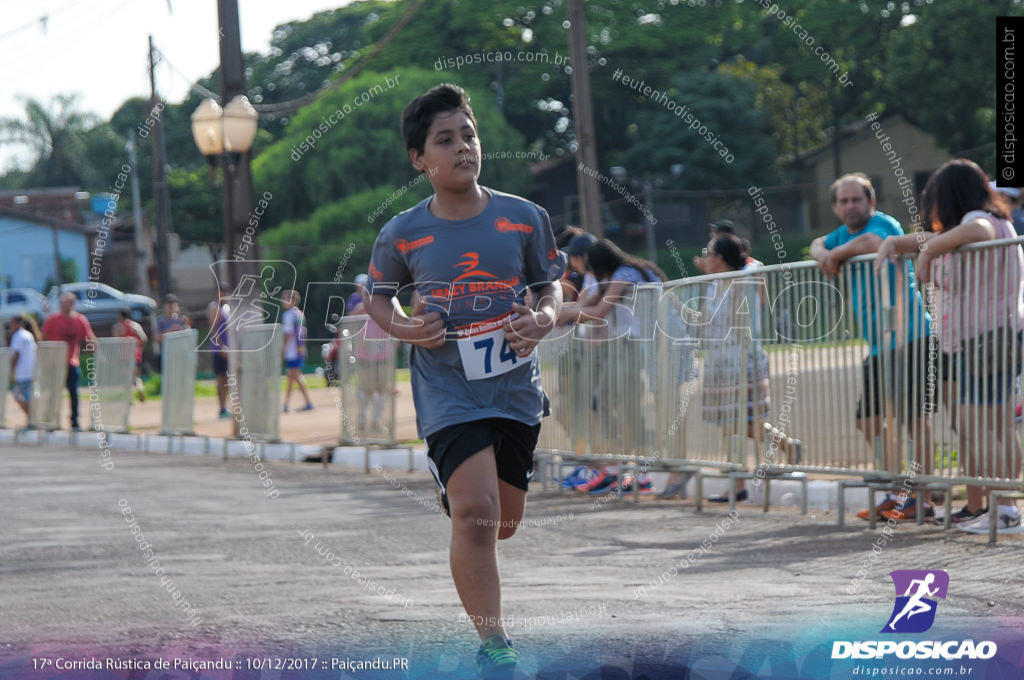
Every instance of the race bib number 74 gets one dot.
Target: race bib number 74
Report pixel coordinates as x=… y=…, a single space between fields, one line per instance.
x=484 y=350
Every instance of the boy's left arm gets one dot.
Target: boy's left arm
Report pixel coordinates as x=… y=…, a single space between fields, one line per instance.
x=530 y=327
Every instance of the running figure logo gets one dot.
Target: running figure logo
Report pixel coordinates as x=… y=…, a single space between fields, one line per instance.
x=914 y=611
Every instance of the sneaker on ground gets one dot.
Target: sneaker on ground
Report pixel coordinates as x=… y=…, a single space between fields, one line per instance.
x=577 y=476
x=884 y=506
x=965 y=514
x=497 y=659
x=602 y=479
x=307 y=407
x=609 y=483
x=906 y=515
x=908 y=512
x=1006 y=523
x=724 y=497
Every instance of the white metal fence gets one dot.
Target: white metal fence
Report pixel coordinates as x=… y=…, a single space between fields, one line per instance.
x=109 y=375
x=260 y=362
x=366 y=380
x=178 y=381
x=783 y=369
x=48 y=384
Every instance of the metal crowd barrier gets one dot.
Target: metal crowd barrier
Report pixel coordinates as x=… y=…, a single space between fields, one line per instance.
x=108 y=377
x=48 y=384
x=822 y=350
x=366 y=382
x=5 y=381
x=178 y=359
x=260 y=362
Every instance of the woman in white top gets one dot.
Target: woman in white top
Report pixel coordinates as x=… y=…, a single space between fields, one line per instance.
x=23 y=358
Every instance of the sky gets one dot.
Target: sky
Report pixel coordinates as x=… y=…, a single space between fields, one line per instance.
x=99 y=48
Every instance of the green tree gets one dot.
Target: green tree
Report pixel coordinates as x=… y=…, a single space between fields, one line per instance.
x=724 y=107
x=943 y=73
x=55 y=135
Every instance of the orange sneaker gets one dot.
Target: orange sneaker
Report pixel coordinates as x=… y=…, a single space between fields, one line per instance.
x=883 y=507
x=908 y=513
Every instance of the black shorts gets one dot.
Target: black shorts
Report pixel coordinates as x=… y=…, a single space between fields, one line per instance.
x=919 y=387
x=220 y=364
x=512 y=440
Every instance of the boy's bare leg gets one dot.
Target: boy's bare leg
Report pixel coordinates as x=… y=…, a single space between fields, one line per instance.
x=475 y=501
x=513 y=505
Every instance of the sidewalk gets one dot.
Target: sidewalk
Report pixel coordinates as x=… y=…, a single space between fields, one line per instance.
x=321 y=426
x=340 y=563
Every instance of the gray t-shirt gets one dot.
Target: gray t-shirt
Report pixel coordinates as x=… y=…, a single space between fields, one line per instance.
x=470 y=271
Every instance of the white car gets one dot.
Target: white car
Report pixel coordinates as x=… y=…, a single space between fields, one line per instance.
x=100 y=304
x=15 y=301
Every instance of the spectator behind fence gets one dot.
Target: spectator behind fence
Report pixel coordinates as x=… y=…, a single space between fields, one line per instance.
x=293 y=325
x=125 y=327
x=217 y=313
x=581 y=274
x=171 y=320
x=372 y=348
x=572 y=280
x=862 y=232
x=981 y=295
x=731 y=313
x=72 y=328
x=619 y=367
x=23 y=359
x=1013 y=199
x=725 y=228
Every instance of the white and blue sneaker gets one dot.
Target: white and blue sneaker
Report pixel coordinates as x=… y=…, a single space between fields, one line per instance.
x=1008 y=522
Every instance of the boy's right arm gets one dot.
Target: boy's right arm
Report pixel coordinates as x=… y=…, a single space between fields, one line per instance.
x=423 y=328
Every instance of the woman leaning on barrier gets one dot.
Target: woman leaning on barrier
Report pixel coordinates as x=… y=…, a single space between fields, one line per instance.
x=980 y=294
x=724 y=362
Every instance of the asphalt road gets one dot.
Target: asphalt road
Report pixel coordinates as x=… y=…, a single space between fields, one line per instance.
x=292 y=561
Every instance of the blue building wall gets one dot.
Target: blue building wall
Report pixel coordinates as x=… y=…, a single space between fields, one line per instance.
x=26 y=253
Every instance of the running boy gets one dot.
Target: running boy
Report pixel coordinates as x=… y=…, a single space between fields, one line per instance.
x=469 y=253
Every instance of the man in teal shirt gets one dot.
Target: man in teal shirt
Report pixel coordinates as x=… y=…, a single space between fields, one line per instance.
x=862 y=232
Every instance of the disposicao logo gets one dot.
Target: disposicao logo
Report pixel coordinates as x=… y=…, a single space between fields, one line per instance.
x=914 y=612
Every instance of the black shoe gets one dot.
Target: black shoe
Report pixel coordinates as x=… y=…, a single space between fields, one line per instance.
x=724 y=497
x=965 y=515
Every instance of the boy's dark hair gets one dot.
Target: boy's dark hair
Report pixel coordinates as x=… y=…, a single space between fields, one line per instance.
x=419 y=114
x=954 y=190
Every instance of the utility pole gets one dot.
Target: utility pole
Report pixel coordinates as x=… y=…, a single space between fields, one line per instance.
x=237 y=199
x=586 y=151
x=160 y=189
x=141 y=251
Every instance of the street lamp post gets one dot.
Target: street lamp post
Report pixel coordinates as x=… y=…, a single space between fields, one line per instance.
x=228 y=134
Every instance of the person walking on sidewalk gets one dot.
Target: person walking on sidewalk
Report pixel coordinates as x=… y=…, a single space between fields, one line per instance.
x=23 y=359
x=294 y=348
x=69 y=326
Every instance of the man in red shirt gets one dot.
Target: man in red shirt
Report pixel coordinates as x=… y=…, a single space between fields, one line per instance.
x=71 y=327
